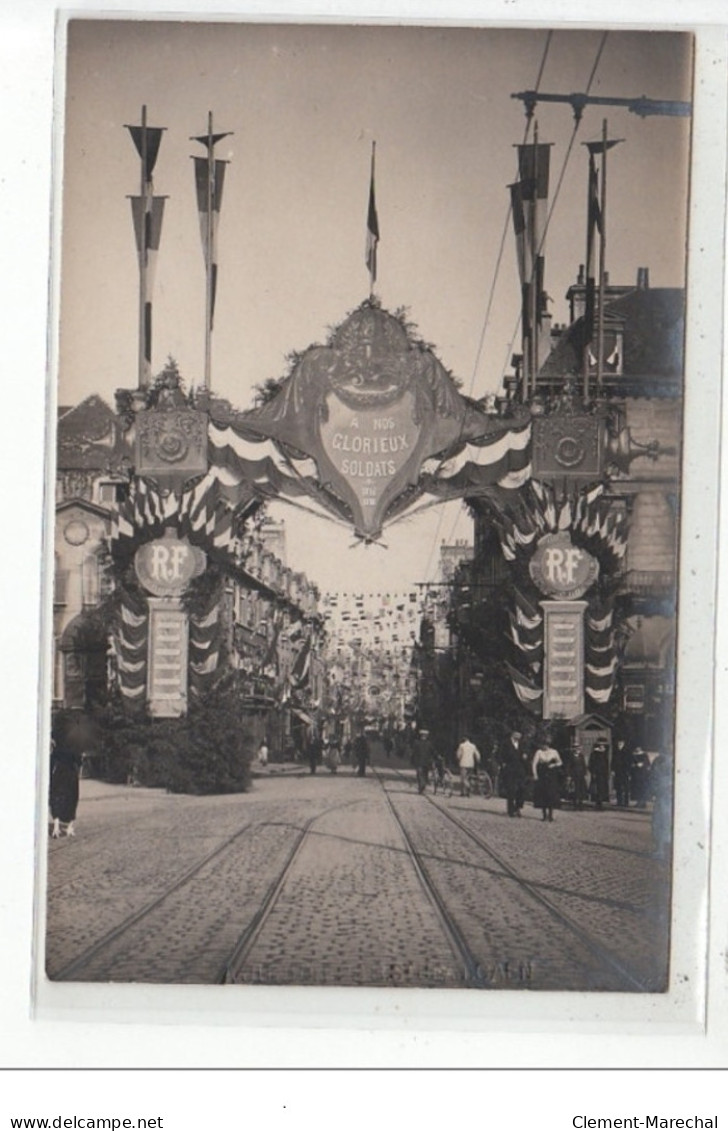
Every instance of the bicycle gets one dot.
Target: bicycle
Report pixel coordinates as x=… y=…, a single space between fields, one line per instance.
x=442 y=781
x=480 y=783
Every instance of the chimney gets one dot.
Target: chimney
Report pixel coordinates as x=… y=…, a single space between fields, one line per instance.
x=580 y=277
x=643 y=278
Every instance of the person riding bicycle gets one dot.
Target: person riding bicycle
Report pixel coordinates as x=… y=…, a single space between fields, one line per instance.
x=468 y=757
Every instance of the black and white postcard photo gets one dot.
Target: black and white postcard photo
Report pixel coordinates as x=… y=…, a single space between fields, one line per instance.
x=367 y=478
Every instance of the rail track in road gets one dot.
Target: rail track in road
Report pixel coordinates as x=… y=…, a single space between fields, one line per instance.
x=472 y=976
x=73 y=970
x=384 y=887
x=479 y=973
x=247 y=940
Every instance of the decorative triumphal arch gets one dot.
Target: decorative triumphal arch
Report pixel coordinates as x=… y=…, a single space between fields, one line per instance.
x=363 y=430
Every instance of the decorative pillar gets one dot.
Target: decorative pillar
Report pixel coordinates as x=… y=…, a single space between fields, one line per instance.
x=165 y=568
x=563 y=572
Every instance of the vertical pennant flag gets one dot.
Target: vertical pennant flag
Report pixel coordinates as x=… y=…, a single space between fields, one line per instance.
x=524 y=255
x=147 y=212
x=533 y=172
x=147 y=215
x=372 y=229
x=523 y=251
x=529 y=198
x=209 y=180
x=594 y=224
x=147 y=140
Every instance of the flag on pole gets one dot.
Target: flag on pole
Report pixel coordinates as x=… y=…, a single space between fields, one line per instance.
x=372 y=228
x=594 y=223
x=209 y=180
x=147 y=211
x=147 y=140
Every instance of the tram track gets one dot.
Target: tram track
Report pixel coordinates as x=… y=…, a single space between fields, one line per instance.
x=472 y=974
x=230 y=970
x=604 y=957
x=72 y=970
x=301 y=900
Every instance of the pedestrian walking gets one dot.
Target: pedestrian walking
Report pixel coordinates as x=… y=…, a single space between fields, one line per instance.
x=599 y=772
x=546 y=766
x=468 y=759
x=423 y=757
x=514 y=772
x=263 y=753
x=578 y=776
x=361 y=753
x=620 y=771
x=638 y=774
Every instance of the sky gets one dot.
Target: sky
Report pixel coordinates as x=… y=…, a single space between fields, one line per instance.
x=303 y=104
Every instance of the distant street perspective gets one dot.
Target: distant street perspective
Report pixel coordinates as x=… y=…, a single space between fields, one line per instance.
x=363 y=654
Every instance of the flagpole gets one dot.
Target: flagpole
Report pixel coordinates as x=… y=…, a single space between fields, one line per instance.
x=535 y=239
x=209 y=194
x=144 y=346
x=147 y=211
x=602 y=259
x=210 y=256
x=587 y=269
x=373 y=257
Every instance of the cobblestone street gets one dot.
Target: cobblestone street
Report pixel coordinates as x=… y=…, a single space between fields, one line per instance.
x=339 y=880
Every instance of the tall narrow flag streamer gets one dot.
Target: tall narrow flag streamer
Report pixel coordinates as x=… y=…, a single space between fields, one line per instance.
x=596 y=205
x=209 y=180
x=372 y=229
x=147 y=213
x=529 y=200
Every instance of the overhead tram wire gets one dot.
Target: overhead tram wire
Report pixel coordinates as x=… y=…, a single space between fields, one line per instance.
x=489 y=305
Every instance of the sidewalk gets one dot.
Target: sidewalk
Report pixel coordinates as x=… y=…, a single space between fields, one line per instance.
x=93 y=789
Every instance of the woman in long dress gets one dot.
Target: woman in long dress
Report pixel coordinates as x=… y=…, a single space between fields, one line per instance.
x=547 y=766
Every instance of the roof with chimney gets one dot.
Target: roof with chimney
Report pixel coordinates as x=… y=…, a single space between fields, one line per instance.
x=652 y=322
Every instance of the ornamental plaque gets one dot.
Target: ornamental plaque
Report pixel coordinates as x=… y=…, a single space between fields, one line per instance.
x=166 y=566
x=560 y=569
x=567 y=446
x=168 y=655
x=171 y=445
x=563 y=680
x=370 y=410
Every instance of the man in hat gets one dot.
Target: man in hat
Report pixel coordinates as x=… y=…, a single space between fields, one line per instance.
x=514 y=772
x=638 y=775
x=599 y=772
x=423 y=756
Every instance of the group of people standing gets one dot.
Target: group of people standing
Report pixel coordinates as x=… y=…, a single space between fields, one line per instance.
x=588 y=778
x=630 y=771
x=518 y=766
